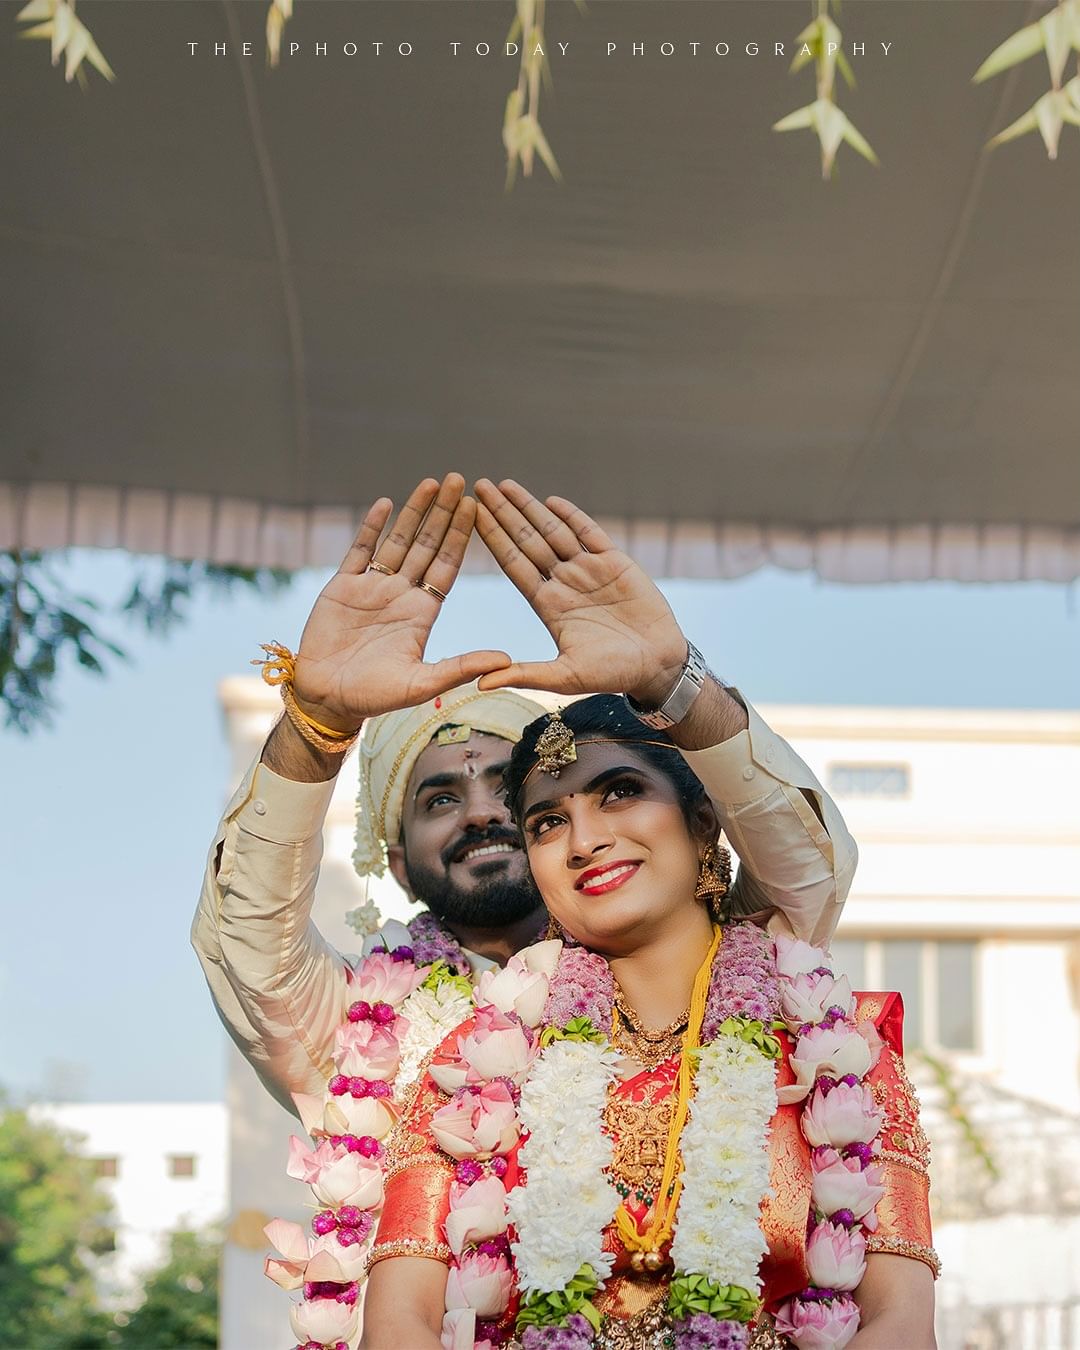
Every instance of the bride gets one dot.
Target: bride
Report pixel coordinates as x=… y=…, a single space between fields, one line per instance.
x=659 y=1127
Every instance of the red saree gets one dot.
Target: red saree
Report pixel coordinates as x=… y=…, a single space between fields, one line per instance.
x=637 y=1117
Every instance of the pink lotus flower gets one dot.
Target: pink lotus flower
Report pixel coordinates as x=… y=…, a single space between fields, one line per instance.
x=323 y=1320
x=807 y=998
x=843 y=1183
x=477 y=1212
x=308 y=1258
x=836 y=1256
x=452 y=1074
x=872 y=1037
x=481 y=1283
x=337 y=1176
x=498 y=1047
x=379 y=979
x=482 y=1122
x=543 y=957
x=819 y=1326
x=836 y=1050
x=846 y=1116
x=345 y=1115
x=360 y=1116
x=458 y=1329
x=366 y=1050
x=795 y=957
x=515 y=989
x=306 y=1164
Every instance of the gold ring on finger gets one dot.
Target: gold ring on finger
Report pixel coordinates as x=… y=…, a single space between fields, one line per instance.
x=374 y=566
x=431 y=590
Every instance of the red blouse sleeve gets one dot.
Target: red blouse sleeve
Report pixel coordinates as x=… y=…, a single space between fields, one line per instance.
x=418 y=1173
x=904 y=1210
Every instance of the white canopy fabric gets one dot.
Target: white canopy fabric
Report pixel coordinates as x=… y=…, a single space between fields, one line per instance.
x=238 y=305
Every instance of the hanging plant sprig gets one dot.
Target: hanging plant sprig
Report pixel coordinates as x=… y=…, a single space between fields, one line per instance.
x=522 y=134
x=56 y=22
x=1056 y=34
x=821 y=42
x=277 y=16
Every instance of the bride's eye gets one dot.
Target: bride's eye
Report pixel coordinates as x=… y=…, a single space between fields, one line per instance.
x=543 y=825
x=620 y=790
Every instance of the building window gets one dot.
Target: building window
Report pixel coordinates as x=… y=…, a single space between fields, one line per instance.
x=937 y=980
x=181 y=1164
x=106 y=1167
x=870 y=780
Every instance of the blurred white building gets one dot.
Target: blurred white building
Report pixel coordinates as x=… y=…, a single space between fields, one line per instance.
x=164 y=1166
x=967 y=900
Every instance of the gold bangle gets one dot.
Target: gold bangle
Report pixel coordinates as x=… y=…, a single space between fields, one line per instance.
x=279 y=668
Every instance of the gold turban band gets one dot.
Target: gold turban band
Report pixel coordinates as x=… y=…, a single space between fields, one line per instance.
x=391 y=745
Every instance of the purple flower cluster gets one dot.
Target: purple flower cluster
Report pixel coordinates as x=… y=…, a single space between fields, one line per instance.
x=702 y=1332
x=744 y=981
x=577 y=1334
x=431 y=942
x=582 y=986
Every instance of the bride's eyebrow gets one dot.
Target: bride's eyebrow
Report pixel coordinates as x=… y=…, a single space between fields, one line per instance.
x=593 y=785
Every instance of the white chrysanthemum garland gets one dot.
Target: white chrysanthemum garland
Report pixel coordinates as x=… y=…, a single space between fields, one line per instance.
x=403 y=1007
x=569 y=1200
x=725 y=1163
x=561 y=1212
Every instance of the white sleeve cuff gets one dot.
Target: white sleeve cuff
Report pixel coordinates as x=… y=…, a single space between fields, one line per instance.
x=282 y=811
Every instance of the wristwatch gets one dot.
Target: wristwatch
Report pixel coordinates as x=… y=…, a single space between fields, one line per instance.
x=677 y=704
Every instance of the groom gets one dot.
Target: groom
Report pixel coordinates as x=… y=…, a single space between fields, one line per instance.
x=432 y=754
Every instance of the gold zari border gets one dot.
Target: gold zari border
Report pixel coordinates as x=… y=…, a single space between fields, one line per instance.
x=904 y=1160
x=382 y=1251
x=406 y=1164
x=898 y=1246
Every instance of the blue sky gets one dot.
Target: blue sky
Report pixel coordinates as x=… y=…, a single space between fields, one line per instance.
x=108 y=814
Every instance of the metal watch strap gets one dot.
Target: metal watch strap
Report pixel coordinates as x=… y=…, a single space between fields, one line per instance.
x=677 y=704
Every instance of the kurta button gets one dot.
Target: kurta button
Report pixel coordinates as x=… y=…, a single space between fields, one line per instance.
x=748 y=772
x=770 y=755
x=259 y=807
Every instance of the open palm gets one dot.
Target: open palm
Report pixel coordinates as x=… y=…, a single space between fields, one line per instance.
x=614 y=630
x=362 y=649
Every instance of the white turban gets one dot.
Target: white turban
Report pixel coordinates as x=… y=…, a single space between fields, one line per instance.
x=391 y=745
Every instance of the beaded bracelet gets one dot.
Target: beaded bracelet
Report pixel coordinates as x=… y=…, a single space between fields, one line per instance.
x=279 y=668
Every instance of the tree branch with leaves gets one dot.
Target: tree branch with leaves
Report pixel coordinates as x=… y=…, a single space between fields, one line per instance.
x=45 y=621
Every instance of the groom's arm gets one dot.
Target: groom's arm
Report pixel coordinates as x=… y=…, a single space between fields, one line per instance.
x=278 y=986
x=797 y=857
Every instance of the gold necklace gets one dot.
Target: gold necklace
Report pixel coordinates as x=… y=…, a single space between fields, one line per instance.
x=648 y=1047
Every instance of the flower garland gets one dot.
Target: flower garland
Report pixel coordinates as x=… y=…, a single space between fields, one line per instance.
x=832 y=1056
x=403 y=1004
x=548 y=1072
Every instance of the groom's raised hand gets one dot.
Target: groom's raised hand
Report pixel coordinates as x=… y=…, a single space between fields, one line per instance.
x=362 y=649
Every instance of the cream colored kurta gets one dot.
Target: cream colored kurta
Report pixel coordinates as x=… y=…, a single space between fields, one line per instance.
x=280 y=988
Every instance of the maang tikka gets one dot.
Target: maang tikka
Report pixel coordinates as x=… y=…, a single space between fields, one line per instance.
x=555 y=747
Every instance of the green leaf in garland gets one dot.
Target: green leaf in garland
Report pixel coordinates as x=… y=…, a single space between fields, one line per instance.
x=753 y=1033
x=439 y=973
x=690 y=1294
x=577 y=1029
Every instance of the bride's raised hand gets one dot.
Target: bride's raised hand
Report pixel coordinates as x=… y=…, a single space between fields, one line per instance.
x=362 y=649
x=614 y=630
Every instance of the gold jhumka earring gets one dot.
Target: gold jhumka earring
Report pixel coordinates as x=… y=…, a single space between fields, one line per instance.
x=714 y=880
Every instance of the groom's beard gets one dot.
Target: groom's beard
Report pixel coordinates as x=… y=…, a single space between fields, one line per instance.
x=488 y=902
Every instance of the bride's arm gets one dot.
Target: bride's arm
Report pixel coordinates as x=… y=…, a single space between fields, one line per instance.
x=896 y=1302
x=403 y=1304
